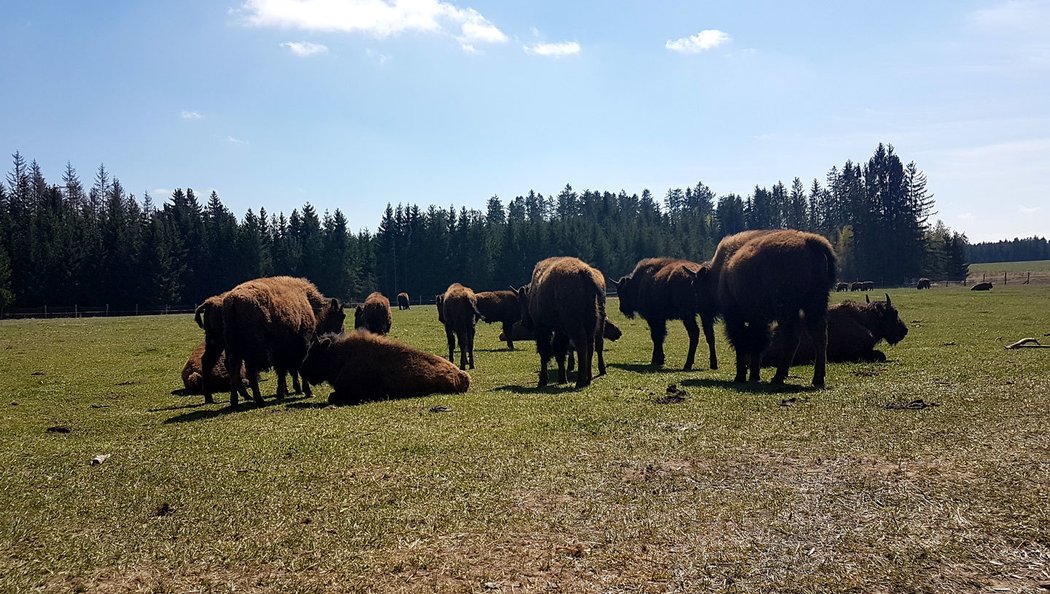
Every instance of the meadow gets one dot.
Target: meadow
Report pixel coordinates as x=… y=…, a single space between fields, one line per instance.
x=507 y=488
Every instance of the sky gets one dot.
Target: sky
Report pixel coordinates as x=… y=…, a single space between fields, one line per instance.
x=354 y=104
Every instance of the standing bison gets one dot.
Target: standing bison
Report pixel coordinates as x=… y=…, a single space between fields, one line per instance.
x=565 y=302
x=840 y=287
x=362 y=366
x=924 y=283
x=853 y=331
x=458 y=311
x=271 y=322
x=661 y=289
x=403 y=300
x=774 y=277
x=374 y=314
x=500 y=306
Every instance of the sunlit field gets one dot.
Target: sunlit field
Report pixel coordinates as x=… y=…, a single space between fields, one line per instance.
x=509 y=488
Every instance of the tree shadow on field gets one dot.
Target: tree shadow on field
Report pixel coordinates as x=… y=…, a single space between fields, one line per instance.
x=751 y=388
x=644 y=368
x=243 y=406
x=569 y=386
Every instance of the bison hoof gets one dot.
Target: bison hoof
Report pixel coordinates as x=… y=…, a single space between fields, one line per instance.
x=740 y=378
x=687 y=367
x=208 y=399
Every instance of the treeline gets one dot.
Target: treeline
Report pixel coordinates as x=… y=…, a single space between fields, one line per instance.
x=66 y=243
x=1015 y=250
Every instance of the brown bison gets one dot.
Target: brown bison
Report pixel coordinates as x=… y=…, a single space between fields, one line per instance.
x=565 y=302
x=840 y=287
x=924 y=283
x=661 y=289
x=853 y=331
x=458 y=311
x=208 y=316
x=217 y=380
x=500 y=306
x=982 y=287
x=520 y=332
x=774 y=277
x=403 y=301
x=374 y=314
x=271 y=322
x=362 y=366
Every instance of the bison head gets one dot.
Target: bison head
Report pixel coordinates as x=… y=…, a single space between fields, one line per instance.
x=330 y=318
x=888 y=324
x=523 y=307
x=703 y=292
x=439 y=301
x=316 y=365
x=626 y=292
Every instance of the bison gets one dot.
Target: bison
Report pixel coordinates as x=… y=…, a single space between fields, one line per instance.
x=403 y=300
x=458 y=311
x=270 y=322
x=840 y=287
x=374 y=314
x=520 y=332
x=853 y=331
x=500 y=306
x=982 y=287
x=566 y=302
x=208 y=316
x=661 y=289
x=362 y=366
x=774 y=277
x=217 y=380
x=924 y=283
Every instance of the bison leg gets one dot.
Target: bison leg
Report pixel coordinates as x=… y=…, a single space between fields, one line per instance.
x=508 y=331
x=561 y=349
x=694 y=339
x=599 y=346
x=658 y=331
x=759 y=339
x=789 y=332
x=584 y=353
x=709 y=334
x=296 y=386
x=818 y=331
x=464 y=348
x=451 y=337
x=544 y=346
x=736 y=331
x=470 y=345
x=282 y=382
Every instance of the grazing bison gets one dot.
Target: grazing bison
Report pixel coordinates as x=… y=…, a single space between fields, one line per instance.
x=840 y=287
x=217 y=380
x=924 y=283
x=982 y=287
x=853 y=331
x=500 y=306
x=867 y=286
x=458 y=311
x=403 y=301
x=774 y=277
x=566 y=302
x=374 y=314
x=271 y=322
x=855 y=286
x=661 y=289
x=362 y=366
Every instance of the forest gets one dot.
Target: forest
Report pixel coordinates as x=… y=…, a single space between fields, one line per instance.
x=71 y=243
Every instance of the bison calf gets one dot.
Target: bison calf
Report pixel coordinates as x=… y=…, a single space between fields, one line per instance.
x=374 y=314
x=218 y=379
x=458 y=311
x=362 y=366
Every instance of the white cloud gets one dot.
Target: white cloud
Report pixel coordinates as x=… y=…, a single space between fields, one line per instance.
x=702 y=41
x=1028 y=209
x=232 y=140
x=379 y=18
x=379 y=57
x=191 y=115
x=305 y=48
x=554 y=50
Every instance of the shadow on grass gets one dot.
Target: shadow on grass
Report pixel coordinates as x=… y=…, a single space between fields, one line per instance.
x=644 y=368
x=570 y=386
x=211 y=413
x=749 y=387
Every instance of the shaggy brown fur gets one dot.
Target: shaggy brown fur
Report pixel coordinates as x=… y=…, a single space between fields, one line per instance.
x=773 y=277
x=215 y=381
x=924 y=283
x=403 y=301
x=271 y=321
x=840 y=287
x=565 y=302
x=363 y=366
x=374 y=314
x=982 y=287
x=661 y=289
x=853 y=331
x=500 y=306
x=458 y=311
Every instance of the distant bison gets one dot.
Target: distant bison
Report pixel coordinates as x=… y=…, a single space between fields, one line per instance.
x=840 y=287
x=867 y=286
x=362 y=366
x=500 y=306
x=270 y=322
x=458 y=311
x=853 y=331
x=374 y=314
x=565 y=302
x=774 y=277
x=217 y=380
x=403 y=302
x=982 y=287
x=661 y=289
x=924 y=283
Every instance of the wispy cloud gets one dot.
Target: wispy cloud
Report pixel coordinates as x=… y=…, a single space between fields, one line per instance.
x=554 y=50
x=702 y=41
x=1028 y=209
x=377 y=18
x=191 y=115
x=379 y=57
x=232 y=140
x=304 y=49
x=967 y=216
x=1010 y=37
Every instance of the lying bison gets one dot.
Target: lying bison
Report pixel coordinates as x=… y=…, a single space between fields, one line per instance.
x=458 y=311
x=924 y=283
x=403 y=301
x=271 y=322
x=982 y=287
x=853 y=331
x=362 y=366
x=218 y=379
x=774 y=277
x=374 y=314
x=500 y=306
x=661 y=289
x=565 y=303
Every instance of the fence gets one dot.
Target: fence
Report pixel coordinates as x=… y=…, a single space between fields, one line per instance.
x=92 y=311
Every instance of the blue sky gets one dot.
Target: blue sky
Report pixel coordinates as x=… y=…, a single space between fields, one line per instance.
x=352 y=104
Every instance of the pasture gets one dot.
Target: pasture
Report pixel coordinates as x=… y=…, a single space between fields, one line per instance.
x=619 y=487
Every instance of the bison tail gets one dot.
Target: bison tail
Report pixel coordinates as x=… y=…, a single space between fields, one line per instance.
x=827 y=264
x=477 y=313
x=198 y=314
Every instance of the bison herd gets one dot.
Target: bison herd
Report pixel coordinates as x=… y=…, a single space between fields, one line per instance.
x=770 y=287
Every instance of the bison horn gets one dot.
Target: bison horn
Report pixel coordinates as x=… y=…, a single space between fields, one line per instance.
x=888 y=299
x=866 y=298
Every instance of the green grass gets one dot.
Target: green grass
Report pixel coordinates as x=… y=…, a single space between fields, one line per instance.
x=1033 y=266
x=518 y=490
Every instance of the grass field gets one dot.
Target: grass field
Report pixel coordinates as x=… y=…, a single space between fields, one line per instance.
x=735 y=489
x=1033 y=266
